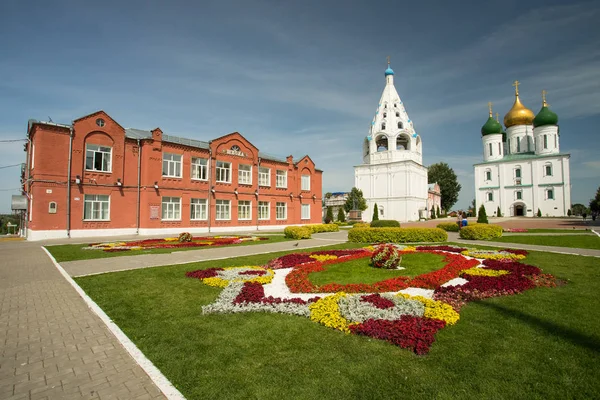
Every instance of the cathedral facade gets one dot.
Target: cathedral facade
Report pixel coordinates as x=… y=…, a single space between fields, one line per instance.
x=392 y=174
x=523 y=172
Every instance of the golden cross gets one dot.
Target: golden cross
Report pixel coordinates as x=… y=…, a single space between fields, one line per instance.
x=490 y=107
x=497 y=117
x=388 y=60
x=516 y=85
x=544 y=97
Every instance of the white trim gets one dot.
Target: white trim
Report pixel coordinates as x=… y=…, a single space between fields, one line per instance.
x=165 y=386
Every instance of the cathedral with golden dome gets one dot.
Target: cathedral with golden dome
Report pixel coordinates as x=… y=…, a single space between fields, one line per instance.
x=523 y=172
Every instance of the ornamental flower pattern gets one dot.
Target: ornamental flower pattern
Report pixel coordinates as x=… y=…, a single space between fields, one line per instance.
x=184 y=240
x=404 y=319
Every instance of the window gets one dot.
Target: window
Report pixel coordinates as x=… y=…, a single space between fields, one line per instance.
x=281 y=177
x=384 y=115
x=245 y=174
x=97 y=158
x=52 y=207
x=244 y=210
x=550 y=194
x=172 y=165
x=223 y=172
x=381 y=212
x=397 y=114
x=305 y=182
x=548 y=169
x=383 y=126
x=545 y=141
x=399 y=125
x=305 y=211
x=490 y=196
x=519 y=195
x=517 y=172
x=223 y=210
x=490 y=149
x=264 y=176
x=199 y=168
x=100 y=122
x=518 y=145
x=499 y=148
x=263 y=210
x=96 y=207
x=555 y=142
x=280 y=210
x=171 y=208
x=197 y=209
x=488 y=175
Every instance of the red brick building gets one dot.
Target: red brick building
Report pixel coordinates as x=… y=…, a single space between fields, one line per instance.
x=96 y=178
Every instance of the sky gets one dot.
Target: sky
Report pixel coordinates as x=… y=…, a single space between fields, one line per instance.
x=303 y=77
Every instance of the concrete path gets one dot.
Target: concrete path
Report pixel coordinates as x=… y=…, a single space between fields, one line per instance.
x=52 y=346
x=101 y=265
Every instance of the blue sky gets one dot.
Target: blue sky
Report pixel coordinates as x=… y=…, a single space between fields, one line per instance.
x=303 y=77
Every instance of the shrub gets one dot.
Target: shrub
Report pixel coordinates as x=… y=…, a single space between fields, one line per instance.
x=185 y=237
x=498 y=212
x=437 y=213
x=482 y=219
x=341 y=215
x=375 y=213
x=361 y=225
x=539 y=213
x=297 y=232
x=569 y=212
x=386 y=256
x=318 y=228
x=480 y=232
x=432 y=216
x=329 y=215
x=448 y=226
x=396 y=235
x=385 y=223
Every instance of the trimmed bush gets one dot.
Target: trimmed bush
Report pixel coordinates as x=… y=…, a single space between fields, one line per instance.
x=449 y=226
x=341 y=216
x=297 y=232
x=329 y=215
x=482 y=219
x=375 y=213
x=396 y=235
x=318 y=228
x=361 y=225
x=539 y=213
x=385 y=223
x=481 y=232
x=498 y=212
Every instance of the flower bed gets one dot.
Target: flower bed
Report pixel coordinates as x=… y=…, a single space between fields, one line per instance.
x=184 y=240
x=376 y=310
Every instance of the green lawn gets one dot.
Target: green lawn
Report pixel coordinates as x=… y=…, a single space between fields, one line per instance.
x=72 y=252
x=569 y=231
x=577 y=241
x=542 y=344
x=359 y=271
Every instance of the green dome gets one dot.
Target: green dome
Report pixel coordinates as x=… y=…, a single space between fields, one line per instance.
x=491 y=127
x=545 y=117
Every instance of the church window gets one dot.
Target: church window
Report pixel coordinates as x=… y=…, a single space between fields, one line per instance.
x=490 y=149
x=383 y=126
x=499 y=148
x=385 y=106
x=488 y=175
x=518 y=145
x=555 y=142
x=402 y=143
x=400 y=125
x=519 y=195
x=397 y=113
x=528 y=143
x=384 y=115
x=517 y=172
x=548 y=170
x=395 y=105
x=490 y=196
x=382 y=143
x=550 y=194
x=381 y=213
x=545 y=141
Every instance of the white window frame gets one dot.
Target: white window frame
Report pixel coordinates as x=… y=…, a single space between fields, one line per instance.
x=96 y=150
x=546 y=166
x=223 y=210
x=97 y=203
x=223 y=172
x=244 y=210
x=305 y=182
x=518 y=195
x=199 y=170
x=488 y=175
x=305 y=211
x=245 y=174
x=173 y=163
x=281 y=179
x=264 y=176
x=198 y=209
x=170 y=205
x=262 y=207
x=548 y=192
x=280 y=210
x=518 y=173
x=490 y=196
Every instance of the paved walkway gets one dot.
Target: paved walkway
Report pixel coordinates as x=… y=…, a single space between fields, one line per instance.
x=100 y=265
x=52 y=346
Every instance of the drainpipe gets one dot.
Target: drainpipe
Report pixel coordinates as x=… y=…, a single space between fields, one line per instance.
x=208 y=216
x=28 y=182
x=71 y=134
x=139 y=176
x=258 y=187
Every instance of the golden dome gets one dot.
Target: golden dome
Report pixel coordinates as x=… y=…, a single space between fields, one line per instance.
x=518 y=114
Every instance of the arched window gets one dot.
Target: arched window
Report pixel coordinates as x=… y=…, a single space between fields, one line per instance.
x=385 y=106
x=488 y=174
x=400 y=126
x=382 y=143
x=490 y=196
x=383 y=126
x=397 y=113
x=402 y=143
x=548 y=169
x=384 y=115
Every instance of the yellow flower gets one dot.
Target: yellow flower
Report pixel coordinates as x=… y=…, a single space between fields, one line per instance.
x=484 y=272
x=435 y=309
x=323 y=257
x=327 y=312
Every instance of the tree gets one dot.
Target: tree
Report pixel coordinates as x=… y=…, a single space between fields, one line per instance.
x=482 y=219
x=341 y=215
x=446 y=178
x=329 y=215
x=578 y=209
x=437 y=214
x=375 y=213
x=595 y=203
x=473 y=208
x=569 y=212
x=539 y=213
x=355 y=201
x=498 y=212
x=432 y=212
